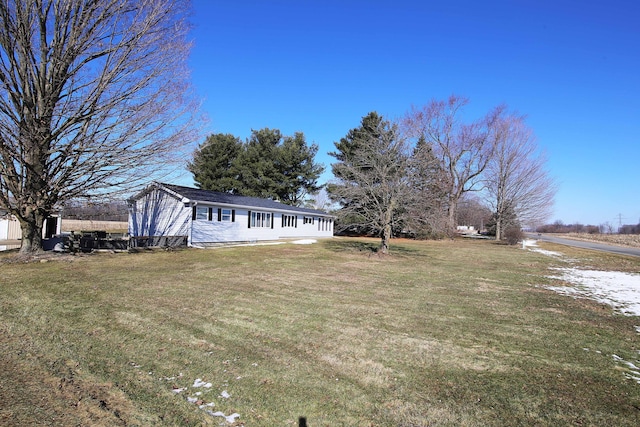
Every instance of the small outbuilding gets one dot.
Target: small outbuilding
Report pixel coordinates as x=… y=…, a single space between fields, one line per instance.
x=10 y=227
x=164 y=213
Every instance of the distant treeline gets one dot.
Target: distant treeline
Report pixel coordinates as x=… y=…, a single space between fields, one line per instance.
x=607 y=228
x=629 y=229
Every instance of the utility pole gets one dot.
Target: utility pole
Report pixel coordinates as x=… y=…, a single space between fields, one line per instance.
x=619 y=222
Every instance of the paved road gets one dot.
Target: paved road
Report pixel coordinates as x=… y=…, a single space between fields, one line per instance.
x=623 y=250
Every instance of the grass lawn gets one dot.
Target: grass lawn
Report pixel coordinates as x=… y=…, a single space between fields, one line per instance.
x=452 y=333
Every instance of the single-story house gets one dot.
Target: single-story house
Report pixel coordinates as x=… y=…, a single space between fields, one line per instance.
x=205 y=217
x=10 y=227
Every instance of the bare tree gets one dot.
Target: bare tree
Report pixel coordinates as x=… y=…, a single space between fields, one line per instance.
x=516 y=179
x=472 y=211
x=370 y=177
x=94 y=98
x=462 y=149
x=319 y=200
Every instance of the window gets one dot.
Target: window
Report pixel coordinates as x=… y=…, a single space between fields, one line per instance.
x=307 y=220
x=289 y=221
x=226 y=215
x=324 y=224
x=201 y=213
x=260 y=219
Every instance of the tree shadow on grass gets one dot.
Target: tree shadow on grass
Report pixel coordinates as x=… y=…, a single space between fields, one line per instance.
x=351 y=246
x=368 y=248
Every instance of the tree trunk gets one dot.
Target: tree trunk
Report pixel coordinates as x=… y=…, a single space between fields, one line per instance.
x=387 y=230
x=498 y=227
x=453 y=207
x=31 y=233
x=386 y=237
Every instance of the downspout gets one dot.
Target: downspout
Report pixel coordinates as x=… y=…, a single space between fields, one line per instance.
x=190 y=238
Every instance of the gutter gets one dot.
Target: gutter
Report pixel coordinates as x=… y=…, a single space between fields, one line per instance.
x=248 y=207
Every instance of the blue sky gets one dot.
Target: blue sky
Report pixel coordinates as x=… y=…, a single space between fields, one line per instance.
x=573 y=68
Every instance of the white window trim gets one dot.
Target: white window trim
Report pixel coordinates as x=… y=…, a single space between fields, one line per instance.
x=225 y=215
x=202 y=213
x=261 y=219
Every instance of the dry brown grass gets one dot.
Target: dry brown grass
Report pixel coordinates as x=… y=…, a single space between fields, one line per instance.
x=632 y=240
x=452 y=333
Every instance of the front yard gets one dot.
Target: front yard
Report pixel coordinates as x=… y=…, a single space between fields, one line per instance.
x=452 y=333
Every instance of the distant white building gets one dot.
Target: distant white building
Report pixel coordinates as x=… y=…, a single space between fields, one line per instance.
x=204 y=217
x=466 y=229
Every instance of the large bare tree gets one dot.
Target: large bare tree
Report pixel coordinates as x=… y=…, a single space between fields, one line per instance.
x=93 y=98
x=516 y=180
x=463 y=149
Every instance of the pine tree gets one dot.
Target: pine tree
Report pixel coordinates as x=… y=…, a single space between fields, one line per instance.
x=257 y=165
x=299 y=173
x=267 y=165
x=425 y=213
x=370 y=173
x=213 y=163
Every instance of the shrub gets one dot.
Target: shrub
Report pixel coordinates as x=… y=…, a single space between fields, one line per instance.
x=513 y=235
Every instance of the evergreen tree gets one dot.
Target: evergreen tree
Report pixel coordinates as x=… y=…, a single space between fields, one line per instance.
x=299 y=172
x=356 y=139
x=267 y=165
x=425 y=213
x=370 y=172
x=257 y=165
x=213 y=163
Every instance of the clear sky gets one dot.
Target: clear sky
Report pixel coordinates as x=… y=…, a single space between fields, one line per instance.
x=319 y=66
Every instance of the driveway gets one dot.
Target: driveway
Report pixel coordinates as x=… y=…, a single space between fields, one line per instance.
x=622 y=250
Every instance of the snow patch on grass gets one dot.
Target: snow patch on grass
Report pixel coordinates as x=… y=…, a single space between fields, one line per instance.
x=632 y=372
x=304 y=242
x=230 y=418
x=548 y=253
x=531 y=243
x=199 y=383
x=617 y=289
x=198 y=398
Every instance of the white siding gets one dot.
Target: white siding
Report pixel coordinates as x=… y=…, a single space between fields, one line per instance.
x=4 y=229
x=300 y=229
x=159 y=214
x=205 y=231
x=10 y=229
x=214 y=231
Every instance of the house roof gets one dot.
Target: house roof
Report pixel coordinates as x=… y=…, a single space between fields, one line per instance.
x=216 y=197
